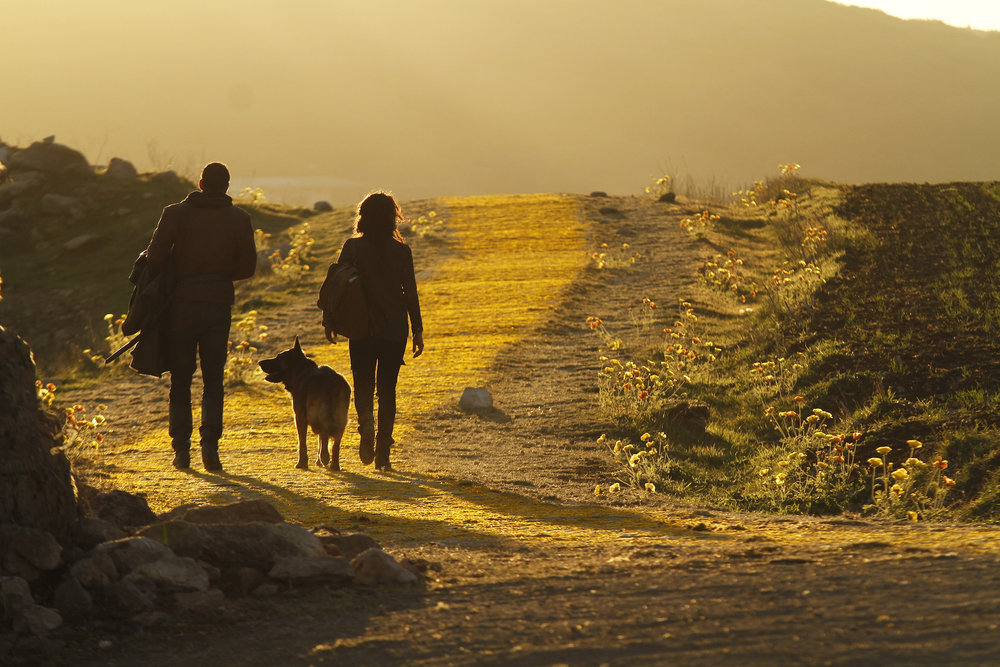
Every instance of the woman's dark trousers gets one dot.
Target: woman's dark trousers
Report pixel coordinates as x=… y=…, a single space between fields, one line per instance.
x=375 y=364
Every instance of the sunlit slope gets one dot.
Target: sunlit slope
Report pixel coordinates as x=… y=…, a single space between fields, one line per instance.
x=509 y=260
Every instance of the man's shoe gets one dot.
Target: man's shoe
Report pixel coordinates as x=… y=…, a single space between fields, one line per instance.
x=182 y=454
x=210 y=456
x=182 y=460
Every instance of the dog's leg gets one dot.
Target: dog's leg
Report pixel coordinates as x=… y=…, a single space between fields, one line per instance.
x=300 y=424
x=335 y=454
x=324 y=451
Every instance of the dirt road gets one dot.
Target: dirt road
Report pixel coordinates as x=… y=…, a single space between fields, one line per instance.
x=529 y=567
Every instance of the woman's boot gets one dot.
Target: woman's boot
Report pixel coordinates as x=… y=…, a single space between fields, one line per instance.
x=366 y=428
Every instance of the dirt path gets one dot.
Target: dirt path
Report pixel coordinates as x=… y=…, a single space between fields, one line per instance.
x=534 y=568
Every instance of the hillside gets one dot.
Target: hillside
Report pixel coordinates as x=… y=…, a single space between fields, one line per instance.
x=544 y=545
x=557 y=96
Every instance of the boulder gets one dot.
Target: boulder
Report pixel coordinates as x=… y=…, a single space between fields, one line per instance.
x=165 y=178
x=122 y=509
x=15 y=595
x=598 y=193
x=667 y=198
x=689 y=416
x=348 y=546
x=121 y=169
x=37 y=547
x=53 y=204
x=129 y=553
x=199 y=600
x=474 y=398
x=258 y=545
x=92 y=531
x=247 y=511
x=130 y=596
x=37 y=620
x=72 y=599
x=172 y=574
x=375 y=566
x=239 y=581
x=49 y=157
x=36 y=488
x=300 y=569
x=23 y=184
x=95 y=572
x=322 y=206
x=80 y=241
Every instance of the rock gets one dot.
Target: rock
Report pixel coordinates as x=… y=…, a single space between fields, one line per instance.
x=49 y=157
x=239 y=581
x=36 y=488
x=266 y=590
x=172 y=574
x=131 y=596
x=349 y=546
x=322 y=206
x=92 y=531
x=37 y=650
x=474 y=398
x=37 y=620
x=598 y=193
x=15 y=596
x=150 y=619
x=258 y=545
x=299 y=569
x=37 y=547
x=53 y=204
x=121 y=169
x=668 y=197
x=23 y=184
x=129 y=553
x=375 y=566
x=72 y=599
x=185 y=539
x=165 y=178
x=247 y=511
x=122 y=509
x=95 y=572
x=199 y=600
x=79 y=241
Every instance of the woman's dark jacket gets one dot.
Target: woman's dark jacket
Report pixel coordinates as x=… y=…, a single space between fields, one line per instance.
x=386 y=270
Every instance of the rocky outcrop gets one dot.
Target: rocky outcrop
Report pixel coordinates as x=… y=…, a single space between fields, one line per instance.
x=36 y=489
x=49 y=157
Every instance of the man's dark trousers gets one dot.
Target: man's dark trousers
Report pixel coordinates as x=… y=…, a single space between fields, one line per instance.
x=197 y=328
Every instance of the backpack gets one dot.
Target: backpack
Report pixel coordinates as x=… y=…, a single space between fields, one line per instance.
x=342 y=300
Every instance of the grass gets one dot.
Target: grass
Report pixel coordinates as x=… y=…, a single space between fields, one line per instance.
x=848 y=319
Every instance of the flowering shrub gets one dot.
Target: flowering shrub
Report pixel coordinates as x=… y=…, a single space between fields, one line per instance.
x=113 y=339
x=914 y=490
x=617 y=257
x=241 y=362
x=251 y=196
x=660 y=186
x=641 y=466
x=427 y=225
x=295 y=263
x=701 y=223
x=727 y=276
x=76 y=428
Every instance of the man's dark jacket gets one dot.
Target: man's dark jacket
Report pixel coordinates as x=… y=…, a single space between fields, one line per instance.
x=200 y=246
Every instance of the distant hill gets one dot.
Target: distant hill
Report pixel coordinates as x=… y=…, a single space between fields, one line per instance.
x=446 y=97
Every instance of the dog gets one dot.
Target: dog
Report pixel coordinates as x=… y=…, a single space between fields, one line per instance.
x=320 y=400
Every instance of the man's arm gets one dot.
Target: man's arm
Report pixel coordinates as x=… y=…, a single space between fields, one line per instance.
x=246 y=253
x=160 y=245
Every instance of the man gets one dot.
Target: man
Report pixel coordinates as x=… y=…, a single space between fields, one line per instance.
x=210 y=244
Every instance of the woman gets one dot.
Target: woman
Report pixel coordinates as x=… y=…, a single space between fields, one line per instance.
x=385 y=265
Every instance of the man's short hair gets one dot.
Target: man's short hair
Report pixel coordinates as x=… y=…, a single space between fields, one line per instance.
x=215 y=177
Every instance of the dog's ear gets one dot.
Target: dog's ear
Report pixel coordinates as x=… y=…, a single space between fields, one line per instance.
x=297 y=346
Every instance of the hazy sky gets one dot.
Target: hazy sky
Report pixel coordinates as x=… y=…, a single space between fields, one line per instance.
x=978 y=14
x=452 y=97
